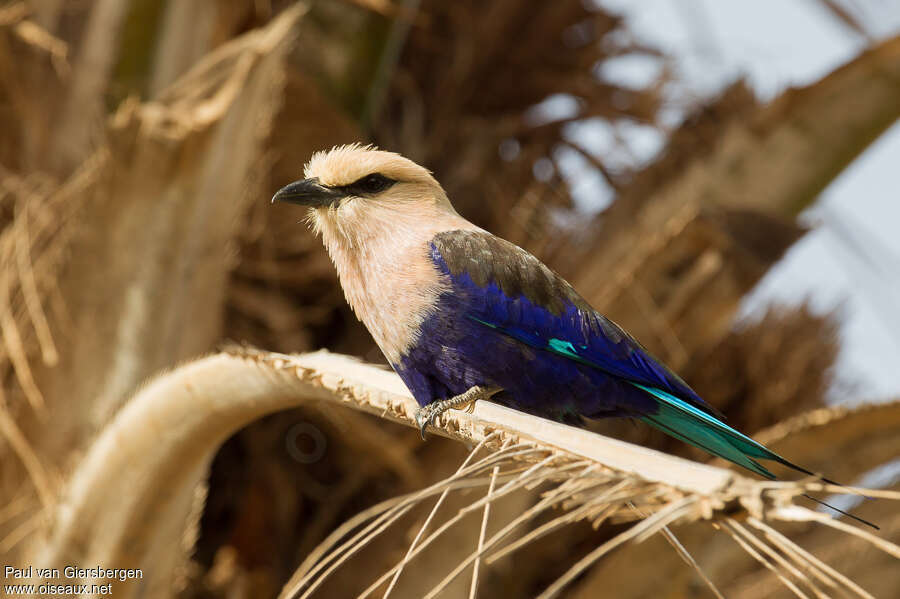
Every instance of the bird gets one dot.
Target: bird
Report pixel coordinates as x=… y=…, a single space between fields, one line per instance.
x=462 y=315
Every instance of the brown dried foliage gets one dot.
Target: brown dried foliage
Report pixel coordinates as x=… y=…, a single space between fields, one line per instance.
x=667 y=261
x=771 y=369
x=467 y=80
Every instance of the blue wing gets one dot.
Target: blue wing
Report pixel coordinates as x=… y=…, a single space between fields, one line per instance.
x=512 y=293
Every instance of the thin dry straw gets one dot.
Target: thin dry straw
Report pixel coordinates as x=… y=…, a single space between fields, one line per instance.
x=359 y=541
x=726 y=526
x=434 y=511
x=802 y=514
x=539 y=473
x=343 y=530
x=29 y=287
x=16 y=535
x=598 y=511
x=361 y=538
x=801 y=561
x=790 y=547
x=685 y=555
x=19 y=505
x=15 y=347
x=817 y=486
x=865 y=493
x=473 y=590
x=778 y=558
x=485 y=546
x=663 y=517
x=558 y=495
x=548 y=527
x=519 y=481
x=25 y=452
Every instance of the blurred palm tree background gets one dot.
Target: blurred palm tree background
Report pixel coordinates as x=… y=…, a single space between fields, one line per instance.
x=139 y=144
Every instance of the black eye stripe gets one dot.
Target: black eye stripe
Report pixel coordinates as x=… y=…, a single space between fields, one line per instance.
x=368 y=185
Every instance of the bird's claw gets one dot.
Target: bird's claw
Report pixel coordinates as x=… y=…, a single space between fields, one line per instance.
x=465 y=401
x=424 y=417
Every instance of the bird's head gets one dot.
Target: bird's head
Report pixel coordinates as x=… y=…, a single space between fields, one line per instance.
x=358 y=191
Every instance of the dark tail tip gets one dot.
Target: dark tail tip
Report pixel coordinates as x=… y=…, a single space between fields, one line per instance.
x=840 y=511
x=828 y=481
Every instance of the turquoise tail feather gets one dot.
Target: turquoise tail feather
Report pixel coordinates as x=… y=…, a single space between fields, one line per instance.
x=683 y=421
x=687 y=423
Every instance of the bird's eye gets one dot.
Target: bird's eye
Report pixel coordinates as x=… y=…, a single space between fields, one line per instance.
x=374 y=183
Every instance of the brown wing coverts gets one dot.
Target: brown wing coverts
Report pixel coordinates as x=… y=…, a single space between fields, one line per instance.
x=486 y=258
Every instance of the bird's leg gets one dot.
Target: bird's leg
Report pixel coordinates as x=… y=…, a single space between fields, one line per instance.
x=463 y=401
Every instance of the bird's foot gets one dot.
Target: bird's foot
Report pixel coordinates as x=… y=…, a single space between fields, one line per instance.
x=463 y=401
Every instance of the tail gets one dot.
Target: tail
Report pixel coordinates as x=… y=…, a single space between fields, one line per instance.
x=681 y=420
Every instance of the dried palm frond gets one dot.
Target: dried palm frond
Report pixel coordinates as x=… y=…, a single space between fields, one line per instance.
x=124 y=208
x=857 y=445
x=113 y=511
x=38 y=219
x=40 y=222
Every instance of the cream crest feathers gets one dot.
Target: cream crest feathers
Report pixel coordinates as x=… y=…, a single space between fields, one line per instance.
x=381 y=245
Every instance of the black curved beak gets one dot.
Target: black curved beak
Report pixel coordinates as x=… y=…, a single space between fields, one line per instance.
x=307 y=192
